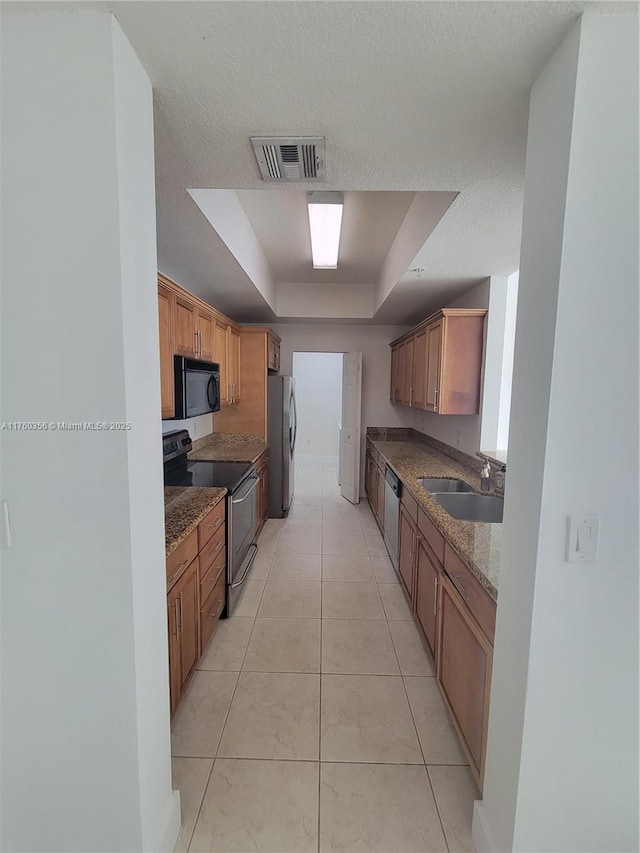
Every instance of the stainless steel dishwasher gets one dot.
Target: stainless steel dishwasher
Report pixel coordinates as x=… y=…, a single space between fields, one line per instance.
x=392 y=489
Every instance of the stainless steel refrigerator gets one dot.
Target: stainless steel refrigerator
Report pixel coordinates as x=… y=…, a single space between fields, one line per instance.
x=281 y=435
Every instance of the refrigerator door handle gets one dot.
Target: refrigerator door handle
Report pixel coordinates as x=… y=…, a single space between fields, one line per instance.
x=295 y=423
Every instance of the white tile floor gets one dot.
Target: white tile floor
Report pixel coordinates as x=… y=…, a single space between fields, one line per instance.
x=314 y=722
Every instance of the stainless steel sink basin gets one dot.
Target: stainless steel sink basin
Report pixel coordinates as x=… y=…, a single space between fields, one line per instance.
x=471 y=506
x=441 y=484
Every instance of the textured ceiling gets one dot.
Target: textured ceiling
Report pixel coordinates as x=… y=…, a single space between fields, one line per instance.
x=411 y=96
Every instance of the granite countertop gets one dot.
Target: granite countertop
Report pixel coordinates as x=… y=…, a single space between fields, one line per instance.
x=228 y=447
x=478 y=544
x=184 y=509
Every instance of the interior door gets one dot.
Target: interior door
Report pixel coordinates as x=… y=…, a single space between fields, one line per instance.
x=350 y=434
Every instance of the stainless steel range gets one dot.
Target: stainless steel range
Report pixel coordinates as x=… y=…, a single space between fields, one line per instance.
x=240 y=481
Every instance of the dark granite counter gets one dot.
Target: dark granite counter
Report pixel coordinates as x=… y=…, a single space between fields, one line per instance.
x=228 y=447
x=184 y=509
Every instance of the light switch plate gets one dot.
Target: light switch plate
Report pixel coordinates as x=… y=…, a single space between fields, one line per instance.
x=583 y=538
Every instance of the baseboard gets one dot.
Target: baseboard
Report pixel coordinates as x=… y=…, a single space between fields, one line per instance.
x=317 y=460
x=480 y=832
x=167 y=841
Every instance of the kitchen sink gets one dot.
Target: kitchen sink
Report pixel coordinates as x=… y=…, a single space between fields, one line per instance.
x=471 y=506
x=441 y=484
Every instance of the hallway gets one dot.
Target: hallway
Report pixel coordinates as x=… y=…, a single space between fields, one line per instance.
x=314 y=721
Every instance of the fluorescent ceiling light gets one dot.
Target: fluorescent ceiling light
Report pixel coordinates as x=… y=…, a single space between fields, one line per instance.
x=325 y=221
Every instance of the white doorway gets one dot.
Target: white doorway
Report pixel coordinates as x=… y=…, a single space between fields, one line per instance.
x=318 y=378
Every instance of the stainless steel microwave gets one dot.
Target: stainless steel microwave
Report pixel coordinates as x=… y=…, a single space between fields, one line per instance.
x=197 y=385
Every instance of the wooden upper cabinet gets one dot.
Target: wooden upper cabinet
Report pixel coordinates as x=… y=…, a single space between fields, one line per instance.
x=220 y=356
x=418 y=400
x=393 y=389
x=185 y=328
x=438 y=364
x=233 y=350
x=205 y=325
x=434 y=348
x=273 y=353
x=166 y=308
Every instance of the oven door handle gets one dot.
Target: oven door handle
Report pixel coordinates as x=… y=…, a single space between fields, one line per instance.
x=247 y=568
x=254 y=482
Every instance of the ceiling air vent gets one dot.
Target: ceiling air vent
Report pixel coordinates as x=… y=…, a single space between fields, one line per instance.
x=286 y=158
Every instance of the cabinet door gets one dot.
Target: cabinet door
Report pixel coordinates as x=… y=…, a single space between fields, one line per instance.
x=407 y=393
x=273 y=353
x=186 y=593
x=185 y=328
x=434 y=357
x=402 y=369
x=166 y=307
x=393 y=389
x=427 y=591
x=406 y=550
x=368 y=478
x=380 y=498
x=418 y=400
x=265 y=491
x=205 y=328
x=175 y=675
x=464 y=672
x=234 y=365
x=220 y=356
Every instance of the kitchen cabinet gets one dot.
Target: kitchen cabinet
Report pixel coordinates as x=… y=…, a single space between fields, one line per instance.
x=464 y=664
x=184 y=639
x=191 y=328
x=262 y=491
x=418 y=382
x=370 y=482
x=406 y=550
x=438 y=364
x=434 y=348
x=166 y=313
x=195 y=597
x=380 y=486
x=427 y=581
x=220 y=336
x=205 y=325
x=185 y=327
x=233 y=352
x=249 y=414
x=273 y=352
x=394 y=392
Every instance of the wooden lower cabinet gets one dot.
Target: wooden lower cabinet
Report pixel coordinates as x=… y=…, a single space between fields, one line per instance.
x=406 y=550
x=184 y=634
x=195 y=597
x=464 y=665
x=427 y=579
x=371 y=483
x=380 y=481
x=262 y=491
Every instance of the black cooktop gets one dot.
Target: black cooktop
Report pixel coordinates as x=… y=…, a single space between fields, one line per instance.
x=231 y=475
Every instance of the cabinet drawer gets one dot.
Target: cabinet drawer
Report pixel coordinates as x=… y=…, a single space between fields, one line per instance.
x=210 y=575
x=210 y=613
x=210 y=523
x=475 y=597
x=212 y=549
x=179 y=559
x=410 y=505
x=431 y=534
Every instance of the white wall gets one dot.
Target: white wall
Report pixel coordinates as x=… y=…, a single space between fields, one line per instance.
x=318 y=378
x=460 y=431
x=85 y=734
x=562 y=762
x=374 y=342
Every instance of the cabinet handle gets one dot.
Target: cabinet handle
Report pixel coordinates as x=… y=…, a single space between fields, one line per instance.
x=435 y=400
x=458 y=585
x=411 y=546
x=180 y=567
x=179 y=625
x=410 y=395
x=435 y=596
x=175 y=618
